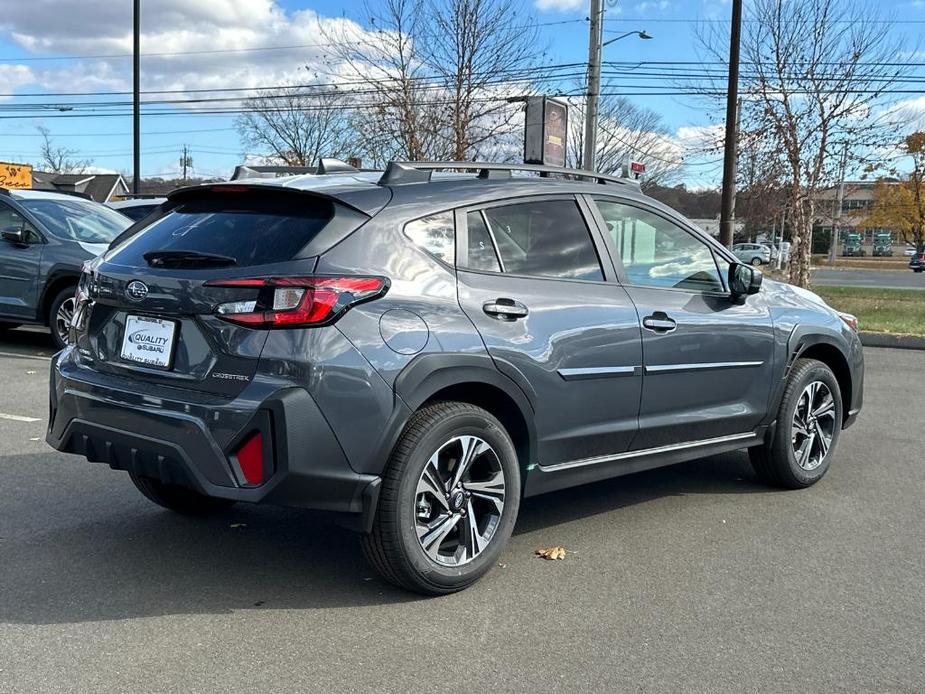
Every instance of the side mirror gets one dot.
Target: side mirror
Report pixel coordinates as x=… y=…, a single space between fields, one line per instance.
x=14 y=234
x=744 y=280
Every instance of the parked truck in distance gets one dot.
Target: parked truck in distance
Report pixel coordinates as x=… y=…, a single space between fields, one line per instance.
x=852 y=245
x=883 y=244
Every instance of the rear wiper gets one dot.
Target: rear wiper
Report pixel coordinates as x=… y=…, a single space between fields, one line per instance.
x=187 y=259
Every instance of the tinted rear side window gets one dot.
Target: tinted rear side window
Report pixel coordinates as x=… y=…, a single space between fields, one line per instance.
x=544 y=239
x=252 y=230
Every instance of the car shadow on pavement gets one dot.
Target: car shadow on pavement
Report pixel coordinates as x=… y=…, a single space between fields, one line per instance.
x=31 y=340
x=108 y=554
x=729 y=473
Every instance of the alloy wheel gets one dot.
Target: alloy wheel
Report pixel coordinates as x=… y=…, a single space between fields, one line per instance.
x=813 y=425
x=63 y=319
x=459 y=501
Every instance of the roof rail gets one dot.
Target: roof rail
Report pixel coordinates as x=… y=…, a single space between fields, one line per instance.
x=325 y=166
x=400 y=172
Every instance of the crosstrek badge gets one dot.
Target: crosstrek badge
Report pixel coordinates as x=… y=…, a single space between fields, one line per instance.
x=148 y=341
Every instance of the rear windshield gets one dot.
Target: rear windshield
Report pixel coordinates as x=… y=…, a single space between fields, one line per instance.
x=252 y=230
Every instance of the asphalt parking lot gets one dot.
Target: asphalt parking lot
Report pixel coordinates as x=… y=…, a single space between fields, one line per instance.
x=693 y=578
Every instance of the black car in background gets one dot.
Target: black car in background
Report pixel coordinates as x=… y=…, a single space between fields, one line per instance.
x=44 y=240
x=917 y=262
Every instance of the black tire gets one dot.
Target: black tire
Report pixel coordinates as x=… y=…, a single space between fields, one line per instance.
x=776 y=462
x=916 y=269
x=9 y=326
x=393 y=547
x=54 y=320
x=756 y=261
x=179 y=499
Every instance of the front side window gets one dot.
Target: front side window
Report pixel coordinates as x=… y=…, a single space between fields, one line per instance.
x=658 y=253
x=435 y=234
x=11 y=220
x=544 y=239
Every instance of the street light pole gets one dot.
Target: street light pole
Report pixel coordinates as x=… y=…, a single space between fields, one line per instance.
x=594 y=82
x=136 y=102
x=594 y=86
x=730 y=149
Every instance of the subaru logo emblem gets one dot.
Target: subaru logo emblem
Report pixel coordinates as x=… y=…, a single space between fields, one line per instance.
x=136 y=291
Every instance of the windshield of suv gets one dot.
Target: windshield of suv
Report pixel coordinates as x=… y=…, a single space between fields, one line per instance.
x=78 y=220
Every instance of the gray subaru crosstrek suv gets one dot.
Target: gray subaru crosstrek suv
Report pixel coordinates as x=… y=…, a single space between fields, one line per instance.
x=418 y=351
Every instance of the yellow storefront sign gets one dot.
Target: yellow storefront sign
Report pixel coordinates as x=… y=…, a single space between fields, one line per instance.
x=15 y=175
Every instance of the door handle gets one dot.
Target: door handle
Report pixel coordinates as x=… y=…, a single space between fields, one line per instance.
x=505 y=309
x=659 y=322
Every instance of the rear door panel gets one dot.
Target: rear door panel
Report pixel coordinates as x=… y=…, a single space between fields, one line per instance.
x=579 y=348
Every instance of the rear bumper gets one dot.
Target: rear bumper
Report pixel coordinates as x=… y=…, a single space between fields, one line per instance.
x=179 y=438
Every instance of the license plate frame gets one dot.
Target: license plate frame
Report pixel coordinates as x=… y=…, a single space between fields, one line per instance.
x=148 y=341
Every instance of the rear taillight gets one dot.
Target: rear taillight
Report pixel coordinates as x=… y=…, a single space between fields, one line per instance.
x=286 y=302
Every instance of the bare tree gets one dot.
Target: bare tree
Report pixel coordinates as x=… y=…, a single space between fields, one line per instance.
x=478 y=49
x=626 y=132
x=433 y=82
x=59 y=159
x=295 y=125
x=394 y=116
x=813 y=73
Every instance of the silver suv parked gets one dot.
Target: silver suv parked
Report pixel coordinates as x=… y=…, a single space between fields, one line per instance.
x=418 y=351
x=756 y=254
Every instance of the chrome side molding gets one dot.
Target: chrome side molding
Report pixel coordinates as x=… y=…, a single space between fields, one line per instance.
x=599 y=372
x=701 y=366
x=646 y=452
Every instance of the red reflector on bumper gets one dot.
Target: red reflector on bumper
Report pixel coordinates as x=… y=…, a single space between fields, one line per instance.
x=250 y=459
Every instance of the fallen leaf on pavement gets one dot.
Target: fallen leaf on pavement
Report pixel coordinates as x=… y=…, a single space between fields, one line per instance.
x=30 y=372
x=552 y=553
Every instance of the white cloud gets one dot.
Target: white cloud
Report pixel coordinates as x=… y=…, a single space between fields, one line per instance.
x=101 y=27
x=700 y=138
x=13 y=77
x=560 y=5
x=653 y=5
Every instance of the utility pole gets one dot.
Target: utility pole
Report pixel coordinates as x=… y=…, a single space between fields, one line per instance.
x=727 y=213
x=839 y=201
x=186 y=161
x=136 y=101
x=594 y=86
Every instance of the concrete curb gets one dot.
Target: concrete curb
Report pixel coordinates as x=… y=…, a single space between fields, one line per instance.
x=891 y=340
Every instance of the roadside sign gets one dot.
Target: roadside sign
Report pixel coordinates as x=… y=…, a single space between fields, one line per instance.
x=545 y=131
x=634 y=169
x=15 y=175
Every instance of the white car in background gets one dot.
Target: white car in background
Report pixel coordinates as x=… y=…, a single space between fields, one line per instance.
x=909 y=252
x=136 y=208
x=752 y=253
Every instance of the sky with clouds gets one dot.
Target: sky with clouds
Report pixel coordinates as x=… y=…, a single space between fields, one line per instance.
x=217 y=44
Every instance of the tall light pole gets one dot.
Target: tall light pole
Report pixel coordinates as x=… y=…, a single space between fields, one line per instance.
x=136 y=101
x=594 y=81
x=730 y=147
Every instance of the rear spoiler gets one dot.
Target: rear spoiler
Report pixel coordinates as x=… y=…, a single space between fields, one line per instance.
x=367 y=201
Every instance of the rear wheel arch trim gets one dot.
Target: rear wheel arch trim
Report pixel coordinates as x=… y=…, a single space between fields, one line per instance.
x=429 y=375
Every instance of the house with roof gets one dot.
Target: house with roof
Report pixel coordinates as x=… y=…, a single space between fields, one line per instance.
x=98 y=187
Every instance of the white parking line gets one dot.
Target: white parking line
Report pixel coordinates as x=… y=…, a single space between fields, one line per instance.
x=19 y=418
